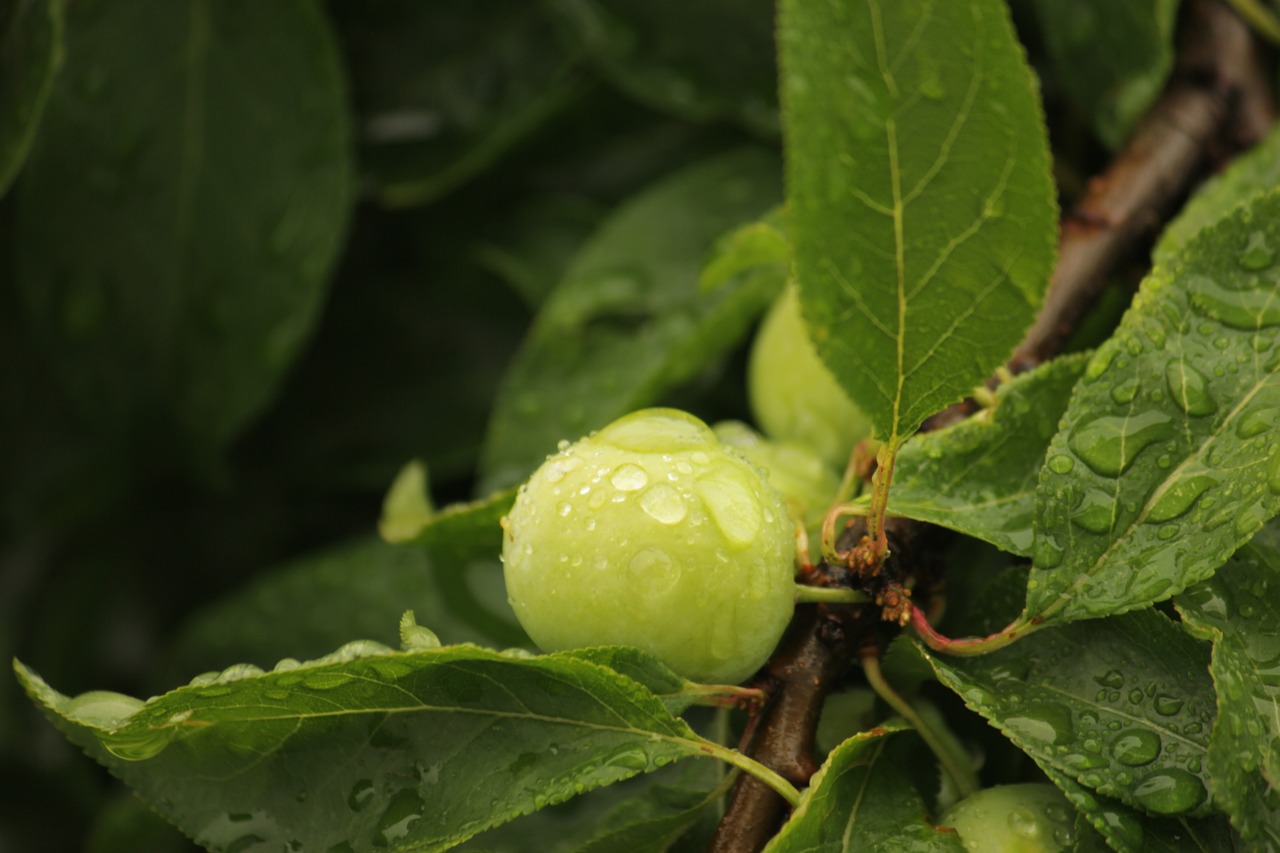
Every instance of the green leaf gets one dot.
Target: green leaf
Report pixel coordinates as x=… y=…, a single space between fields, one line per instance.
x=627 y=324
x=181 y=208
x=864 y=799
x=658 y=53
x=360 y=589
x=445 y=91
x=1166 y=461
x=758 y=248
x=455 y=534
x=1239 y=609
x=1123 y=706
x=30 y=55
x=1127 y=829
x=369 y=747
x=920 y=195
x=978 y=477
x=1249 y=175
x=1112 y=58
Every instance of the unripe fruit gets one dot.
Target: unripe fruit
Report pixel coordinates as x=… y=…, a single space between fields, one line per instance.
x=1028 y=818
x=793 y=394
x=650 y=533
x=805 y=480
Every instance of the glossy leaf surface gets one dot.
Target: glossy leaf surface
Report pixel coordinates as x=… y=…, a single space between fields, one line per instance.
x=30 y=54
x=979 y=476
x=919 y=192
x=370 y=747
x=175 y=260
x=1112 y=57
x=1166 y=461
x=863 y=798
x=1124 y=706
x=627 y=323
x=1239 y=609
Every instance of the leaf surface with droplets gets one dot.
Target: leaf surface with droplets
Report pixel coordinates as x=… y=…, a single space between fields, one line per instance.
x=1123 y=706
x=919 y=193
x=372 y=747
x=1239 y=610
x=1167 y=461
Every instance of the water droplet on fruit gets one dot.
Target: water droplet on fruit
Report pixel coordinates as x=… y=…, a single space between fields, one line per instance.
x=629 y=478
x=663 y=503
x=564 y=508
x=654 y=569
x=1169 y=792
x=733 y=508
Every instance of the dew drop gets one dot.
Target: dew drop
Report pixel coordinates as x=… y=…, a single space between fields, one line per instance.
x=1257 y=254
x=629 y=478
x=1096 y=512
x=564 y=508
x=1190 y=389
x=1113 y=679
x=1044 y=723
x=1169 y=792
x=1179 y=498
x=1109 y=445
x=1241 y=309
x=1124 y=392
x=1273 y=475
x=404 y=810
x=662 y=503
x=361 y=795
x=1258 y=420
x=1047 y=554
x=654 y=570
x=1135 y=747
x=1061 y=464
x=731 y=505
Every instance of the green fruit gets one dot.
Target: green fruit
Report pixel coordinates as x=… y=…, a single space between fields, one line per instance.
x=805 y=480
x=1028 y=818
x=793 y=395
x=651 y=533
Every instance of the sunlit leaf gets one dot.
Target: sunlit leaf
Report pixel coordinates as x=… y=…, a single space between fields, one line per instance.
x=1166 y=461
x=919 y=193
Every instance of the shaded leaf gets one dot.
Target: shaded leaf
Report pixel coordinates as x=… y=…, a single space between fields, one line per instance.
x=1123 y=706
x=181 y=208
x=759 y=248
x=920 y=195
x=657 y=52
x=864 y=799
x=356 y=590
x=1111 y=57
x=978 y=477
x=30 y=54
x=627 y=324
x=1166 y=461
x=1249 y=175
x=1126 y=829
x=1239 y=609
x=454 y=534
x=369 y=747
x=445 y=91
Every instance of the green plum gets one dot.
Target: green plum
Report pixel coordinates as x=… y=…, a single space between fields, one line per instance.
x=1026 y=818
x=793 y=394
x=805 y=480
x=651 y=533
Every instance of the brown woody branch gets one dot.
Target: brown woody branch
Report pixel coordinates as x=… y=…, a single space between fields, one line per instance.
x=1218 y=103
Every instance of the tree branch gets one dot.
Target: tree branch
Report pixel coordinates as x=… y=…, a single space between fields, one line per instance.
x=1217 y=103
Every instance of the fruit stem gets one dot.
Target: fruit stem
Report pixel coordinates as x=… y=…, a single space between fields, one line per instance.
x=956 y=764
x=784 y=788
x=969 y=646
x=806 y=594
x=830 y=553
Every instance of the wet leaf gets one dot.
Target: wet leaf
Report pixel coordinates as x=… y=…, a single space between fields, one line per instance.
x=863 y=799
x=656 y=51
x=181 y=208
x=978 y=477
x=628 y=323
x=30 y=54
x=919 y=192
x=1250 y=175
x=453 y=534
x=1123 y=706
x=1128 y=829
x=1166 y=461
x=1111 y=57
x=371 y=747
x=1239 y=610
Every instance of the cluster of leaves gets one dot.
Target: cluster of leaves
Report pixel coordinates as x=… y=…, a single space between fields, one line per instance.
x=584 y=179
